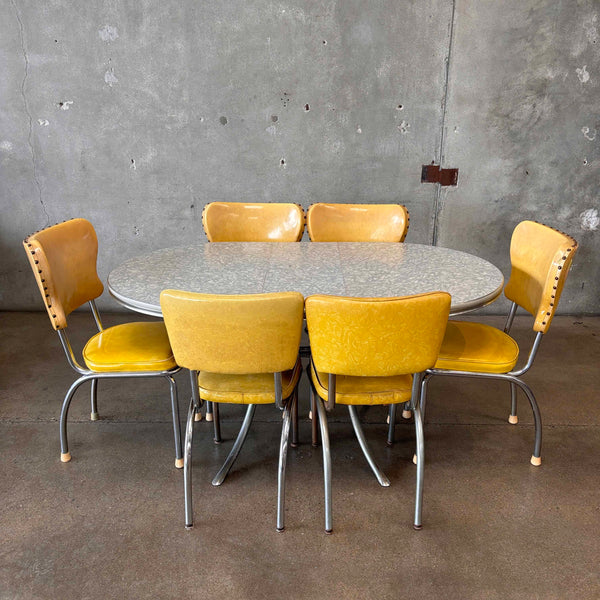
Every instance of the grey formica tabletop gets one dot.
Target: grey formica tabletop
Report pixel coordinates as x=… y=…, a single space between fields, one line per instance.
x=365 y=269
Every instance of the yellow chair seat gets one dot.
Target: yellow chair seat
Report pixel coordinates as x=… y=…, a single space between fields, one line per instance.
x=477 y=348
x=130 y=347
x=364 y=390
x=255 y=388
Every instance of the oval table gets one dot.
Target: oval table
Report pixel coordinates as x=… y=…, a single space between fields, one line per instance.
x=360 y=269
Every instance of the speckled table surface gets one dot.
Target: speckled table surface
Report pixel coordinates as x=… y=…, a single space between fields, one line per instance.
x=343 y=269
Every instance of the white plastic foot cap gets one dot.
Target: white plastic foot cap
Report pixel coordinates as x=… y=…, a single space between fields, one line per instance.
x=198 y=417
x=415 y=459
x=209 y=416
x=179 y=463
x=513 y=419
x=65 y=457
x=94 y=416
x=387 y=420
x=310 y=414
x=406 y=414
x=536 y=461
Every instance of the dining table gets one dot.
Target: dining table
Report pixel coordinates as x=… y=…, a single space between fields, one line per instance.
x=356 y=269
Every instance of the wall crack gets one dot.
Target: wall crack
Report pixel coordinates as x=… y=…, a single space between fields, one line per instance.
x=28 y=112
x=437 y=204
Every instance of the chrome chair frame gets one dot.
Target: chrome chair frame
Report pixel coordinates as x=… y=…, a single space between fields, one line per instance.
x=94 y=376
x=321 y=408
x=288 y=407
x=513 y=377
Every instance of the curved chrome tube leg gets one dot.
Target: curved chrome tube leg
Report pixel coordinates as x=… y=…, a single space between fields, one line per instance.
x=237 y=446
x=513 y=419
x=216 y=422
x=65 y=455
x=176 y=422
x=391 y=424
x=423 y=399
x=283 y=450
x=94 y=401
x=326 y=463
x=536 y=457
x=187 y=467
x=294 y=440
x=420 y=465
x=381 y=478
x=315 y=419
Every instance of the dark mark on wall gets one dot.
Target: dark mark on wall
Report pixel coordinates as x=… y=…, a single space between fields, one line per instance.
x=433 y=174
x=324 y=42
x=285 y=99
x=306 y=107
x=399 y=107
x=274 y=118
x=282 y=162
x=223 y=120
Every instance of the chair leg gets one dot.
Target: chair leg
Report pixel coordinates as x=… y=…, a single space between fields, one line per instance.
x=420 y=466
x=422 y=404
x=536 y=457
x=209 y=411
x=283 y=451
x=187 y=467
x=237 y=446
x=381 y=478
x=216 y=422
x=320 y=410
x=315 y=419
x=391 y=424
x=65 y=455
x=294 y=440
x=513 y=419
x=176 y=422
x=94 y=401
x=406 y=412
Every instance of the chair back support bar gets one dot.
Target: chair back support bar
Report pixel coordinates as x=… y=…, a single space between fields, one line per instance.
x=257 y=333
x=357 y=222
x=253 y=222
x=376 y=337
x=540 y=258
x=63 y=259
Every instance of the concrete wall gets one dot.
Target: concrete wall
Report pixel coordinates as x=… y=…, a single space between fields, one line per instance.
x=135 y=115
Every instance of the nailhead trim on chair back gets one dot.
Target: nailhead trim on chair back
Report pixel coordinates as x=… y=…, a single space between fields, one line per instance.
x=63 y=260
x=540 y=257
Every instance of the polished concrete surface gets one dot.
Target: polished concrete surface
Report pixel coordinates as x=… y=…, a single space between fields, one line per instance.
x=109 y=524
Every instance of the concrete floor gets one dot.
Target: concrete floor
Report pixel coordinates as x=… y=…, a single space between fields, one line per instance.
x=109 y=524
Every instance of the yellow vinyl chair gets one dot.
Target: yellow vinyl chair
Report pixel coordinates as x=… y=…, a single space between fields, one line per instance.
x=540 y=260
x=372 y=351
x=239 y=350
x=357 y=222
x=63 y=258
x=253 y=222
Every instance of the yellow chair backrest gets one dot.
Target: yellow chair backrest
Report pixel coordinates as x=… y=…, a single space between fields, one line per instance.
x=63 y=258
x=376 y=337
x=540 y=259
x=357 y=222
x=254 y=333
x=253 y=222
